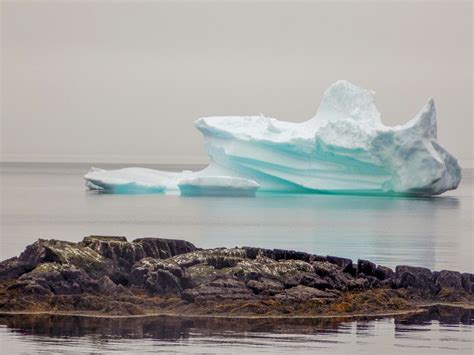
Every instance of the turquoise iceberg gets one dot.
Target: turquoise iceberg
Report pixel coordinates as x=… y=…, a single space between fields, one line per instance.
x=345 y=148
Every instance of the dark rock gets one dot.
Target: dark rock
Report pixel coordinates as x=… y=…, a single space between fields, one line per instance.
x=39 y=252
x=31 y=288
x=449 y=279
x=173 y=269
x=268 y=253
x=104 y=238
x=281 y=254
x=60 y=279
x=107 y=286
x=337 y=279
x=158 y=276
x=265 y=286
x=315 y=257
x=201 y=274
x=468 y=282
x=358 y=284
x=112 y=267
x=220 y=262
x=277 y=254
x=141 y=271
x=65 y=253
x=125 y=254
x=303 y=293
x=250 y=275
x=293 y=281
x=415 y=277
x=251 y=253
x=222 y=289
x=64 y=287
x=324 y=269
x=315 y=282
x=118 y=249
x=365 y=267
x=159 y=248
x=163 y=282
x=383 y=273
x=13 y=268
x=373 y=281
x=120 y=277
x=344 y=263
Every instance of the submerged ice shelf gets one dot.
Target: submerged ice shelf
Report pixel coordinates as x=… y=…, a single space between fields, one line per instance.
x=344 y=148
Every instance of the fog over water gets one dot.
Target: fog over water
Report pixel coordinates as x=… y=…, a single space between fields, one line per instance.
x=123 y=81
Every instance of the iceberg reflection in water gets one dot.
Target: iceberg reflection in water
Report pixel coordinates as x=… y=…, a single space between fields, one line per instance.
x=437 y=330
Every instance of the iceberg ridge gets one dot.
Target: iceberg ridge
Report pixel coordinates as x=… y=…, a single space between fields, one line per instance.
x=345 y=148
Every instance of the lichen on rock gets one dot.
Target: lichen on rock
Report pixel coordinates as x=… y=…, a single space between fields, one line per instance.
x=150 y=275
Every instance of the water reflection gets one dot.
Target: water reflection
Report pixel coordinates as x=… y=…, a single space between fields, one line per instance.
x=443 y=328
x=174 y=328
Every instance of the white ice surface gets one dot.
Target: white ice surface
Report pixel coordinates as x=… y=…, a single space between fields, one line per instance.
x=217 y=185
x=344 y=148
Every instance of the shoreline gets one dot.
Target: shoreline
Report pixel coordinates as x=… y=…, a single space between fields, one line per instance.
x=420 y=309
x=110 y=277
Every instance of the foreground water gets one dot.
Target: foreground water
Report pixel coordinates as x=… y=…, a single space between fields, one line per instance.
x=50 y=201
x=439 y=330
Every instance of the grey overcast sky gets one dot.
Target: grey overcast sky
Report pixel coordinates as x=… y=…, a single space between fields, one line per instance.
x=109 y=81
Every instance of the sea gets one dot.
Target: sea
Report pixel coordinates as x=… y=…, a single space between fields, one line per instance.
x=40 y=200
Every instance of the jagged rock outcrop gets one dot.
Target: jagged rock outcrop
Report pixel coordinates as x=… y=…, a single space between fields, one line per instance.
x=60 y=267
x=383 y=273
x=55 y=251
x=154 y=267
x=415 y=277
x=468 y=282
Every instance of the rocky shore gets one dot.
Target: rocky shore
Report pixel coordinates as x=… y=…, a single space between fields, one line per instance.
x=112 y=276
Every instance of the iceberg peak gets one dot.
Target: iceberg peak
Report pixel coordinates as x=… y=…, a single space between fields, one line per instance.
x=425 y=121
x=344 y=100
x=345 y=148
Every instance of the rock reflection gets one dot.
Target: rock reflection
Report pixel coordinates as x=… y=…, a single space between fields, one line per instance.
x=177 y=328
x=443 y=314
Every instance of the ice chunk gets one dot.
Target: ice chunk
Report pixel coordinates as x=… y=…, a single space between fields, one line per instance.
x=124 y=181
x=344 y=148
x=217 y=186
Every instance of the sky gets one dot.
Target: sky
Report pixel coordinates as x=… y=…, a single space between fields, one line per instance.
x=123 y=82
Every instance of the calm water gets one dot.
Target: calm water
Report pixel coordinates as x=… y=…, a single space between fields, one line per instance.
x=50 y=201
x=437 y=331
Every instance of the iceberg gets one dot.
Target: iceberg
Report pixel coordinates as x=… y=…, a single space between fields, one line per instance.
x=344 y=149
x=217 y=186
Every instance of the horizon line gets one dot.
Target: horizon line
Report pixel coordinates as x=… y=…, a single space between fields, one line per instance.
x=130 y=160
